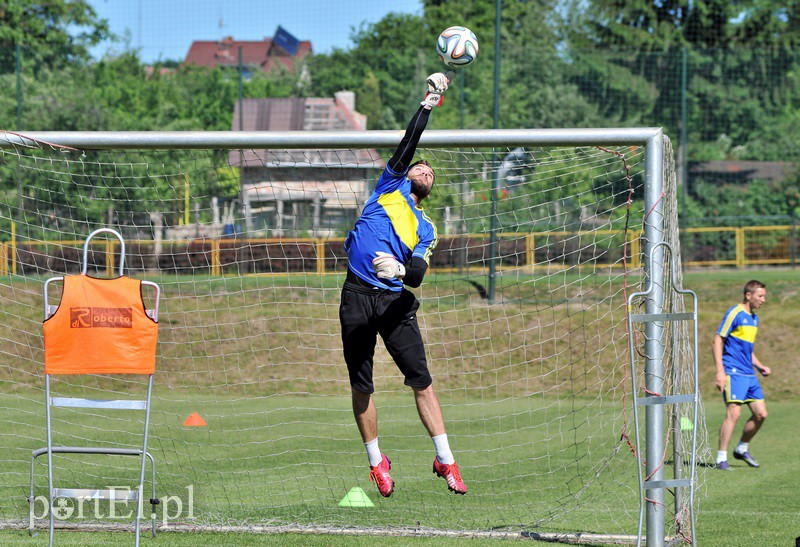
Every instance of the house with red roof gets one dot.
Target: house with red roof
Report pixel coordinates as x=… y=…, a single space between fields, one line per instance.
x=281 y=50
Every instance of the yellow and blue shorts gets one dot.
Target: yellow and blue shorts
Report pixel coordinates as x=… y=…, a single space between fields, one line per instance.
x=741 y=388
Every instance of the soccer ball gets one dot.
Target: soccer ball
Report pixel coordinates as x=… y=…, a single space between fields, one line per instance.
x=457 y=46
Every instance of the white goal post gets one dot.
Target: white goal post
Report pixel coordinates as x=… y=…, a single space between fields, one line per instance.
x=543 y=236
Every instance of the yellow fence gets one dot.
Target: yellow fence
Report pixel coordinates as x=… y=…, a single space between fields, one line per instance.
x=739 y=247
x=514 y=250
x=721 y=246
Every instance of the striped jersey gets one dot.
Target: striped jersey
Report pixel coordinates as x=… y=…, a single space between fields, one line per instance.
x=739 y=328
x=392 y=223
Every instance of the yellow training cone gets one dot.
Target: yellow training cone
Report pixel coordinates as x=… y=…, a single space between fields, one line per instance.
x=356 y=497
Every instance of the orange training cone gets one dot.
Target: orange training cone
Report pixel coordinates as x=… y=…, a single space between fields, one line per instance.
x=195 y=420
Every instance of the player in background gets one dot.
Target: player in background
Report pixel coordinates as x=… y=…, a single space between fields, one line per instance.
x=388 y=248
x=736 y=378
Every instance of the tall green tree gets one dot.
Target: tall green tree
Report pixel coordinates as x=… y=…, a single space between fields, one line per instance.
x=392 y=50
x=53 y=33
x=648 y=25
x=400 y=51
x=629 y=55
x=369 y=101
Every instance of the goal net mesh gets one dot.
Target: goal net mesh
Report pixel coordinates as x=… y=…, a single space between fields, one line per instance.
x=524 y=320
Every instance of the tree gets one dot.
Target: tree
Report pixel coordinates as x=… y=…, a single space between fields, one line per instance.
x=768 y=23
x=399 y=51
x=648 y=25
x=629 y=55
x=389 y=50
x=369 y=102
x=53 y=33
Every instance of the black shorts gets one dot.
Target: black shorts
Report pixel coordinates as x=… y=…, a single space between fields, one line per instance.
x=364 y=313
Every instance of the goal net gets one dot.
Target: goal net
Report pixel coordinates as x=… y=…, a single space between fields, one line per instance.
x=523 y=312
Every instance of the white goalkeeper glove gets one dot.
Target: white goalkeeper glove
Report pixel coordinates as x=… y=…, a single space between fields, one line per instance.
x=388 y=267
x=437 y=82
x=437 y=85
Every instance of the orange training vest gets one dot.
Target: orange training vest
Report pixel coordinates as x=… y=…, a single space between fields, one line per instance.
x=100 y=327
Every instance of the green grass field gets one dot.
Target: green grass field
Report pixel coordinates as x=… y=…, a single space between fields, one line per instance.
x=741 y=507
x=234 y=482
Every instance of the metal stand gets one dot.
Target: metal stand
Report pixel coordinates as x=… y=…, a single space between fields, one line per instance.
x=75 y=402
x=652 y=486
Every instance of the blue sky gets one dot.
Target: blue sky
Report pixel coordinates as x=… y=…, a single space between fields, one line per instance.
x=164 y=29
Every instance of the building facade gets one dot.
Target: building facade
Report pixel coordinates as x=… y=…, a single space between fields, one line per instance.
x=302 y=192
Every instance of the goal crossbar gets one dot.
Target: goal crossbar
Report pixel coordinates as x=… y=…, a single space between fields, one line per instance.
x=331 y=139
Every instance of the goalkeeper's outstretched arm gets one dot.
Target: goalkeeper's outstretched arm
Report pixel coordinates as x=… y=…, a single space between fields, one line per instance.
x=401 y=160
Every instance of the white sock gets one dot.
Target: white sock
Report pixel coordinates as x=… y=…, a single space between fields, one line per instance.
x=741 y=448
x=443 y=452
x=722 y=456
x=373 y=452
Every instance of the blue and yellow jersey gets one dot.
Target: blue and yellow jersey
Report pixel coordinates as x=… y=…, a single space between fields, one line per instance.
x=392 y=223
x=739 y=329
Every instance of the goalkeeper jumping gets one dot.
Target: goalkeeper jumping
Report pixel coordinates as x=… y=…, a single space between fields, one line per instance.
x=389 y=247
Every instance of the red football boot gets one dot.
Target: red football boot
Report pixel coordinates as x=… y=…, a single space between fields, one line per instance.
x=380 y=475
x=451 y=474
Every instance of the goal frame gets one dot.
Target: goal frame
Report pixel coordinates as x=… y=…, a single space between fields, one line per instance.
x=651 y=138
